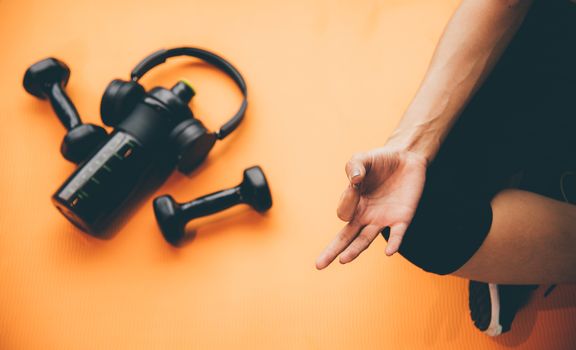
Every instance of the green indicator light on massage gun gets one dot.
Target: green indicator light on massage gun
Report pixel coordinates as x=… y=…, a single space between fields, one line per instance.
x=153 y=132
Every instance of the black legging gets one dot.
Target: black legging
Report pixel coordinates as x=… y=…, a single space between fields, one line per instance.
x=522 y=120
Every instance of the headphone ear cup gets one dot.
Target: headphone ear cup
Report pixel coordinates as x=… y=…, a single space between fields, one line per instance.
x=119 y=98
x=192 y=142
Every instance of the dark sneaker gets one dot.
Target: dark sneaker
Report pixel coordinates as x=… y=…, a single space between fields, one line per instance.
x=494 y=306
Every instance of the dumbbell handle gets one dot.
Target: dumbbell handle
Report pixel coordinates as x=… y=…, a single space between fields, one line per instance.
x=63 y=107
x=211 y=203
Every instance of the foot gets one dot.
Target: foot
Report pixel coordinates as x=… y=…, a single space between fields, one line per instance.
x=493 y=306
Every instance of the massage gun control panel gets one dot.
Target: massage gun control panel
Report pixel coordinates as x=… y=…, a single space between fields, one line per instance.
x=100 y=185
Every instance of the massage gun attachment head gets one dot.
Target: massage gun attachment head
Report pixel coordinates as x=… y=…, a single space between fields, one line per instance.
x=172 y=216
x=39 y=78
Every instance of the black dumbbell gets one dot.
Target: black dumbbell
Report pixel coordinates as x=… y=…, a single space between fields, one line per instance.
x=46 y=80
x=172 y=216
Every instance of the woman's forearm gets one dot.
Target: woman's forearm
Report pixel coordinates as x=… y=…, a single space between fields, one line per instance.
x=472 y=42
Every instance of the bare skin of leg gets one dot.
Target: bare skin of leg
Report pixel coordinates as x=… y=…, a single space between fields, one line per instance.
x=532 y=241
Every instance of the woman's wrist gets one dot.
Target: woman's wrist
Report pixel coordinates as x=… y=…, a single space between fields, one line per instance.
x=416 y=140
x=425 y=124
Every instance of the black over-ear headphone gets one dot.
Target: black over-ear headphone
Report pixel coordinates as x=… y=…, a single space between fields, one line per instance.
x=191 y=138
x=150 y=127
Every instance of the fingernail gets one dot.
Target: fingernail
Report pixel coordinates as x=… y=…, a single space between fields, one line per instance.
x=355 y=172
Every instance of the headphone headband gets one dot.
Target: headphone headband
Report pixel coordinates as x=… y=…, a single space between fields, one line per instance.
x=162 y=55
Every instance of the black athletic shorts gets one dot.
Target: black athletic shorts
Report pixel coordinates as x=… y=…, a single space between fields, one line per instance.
x=522 y=119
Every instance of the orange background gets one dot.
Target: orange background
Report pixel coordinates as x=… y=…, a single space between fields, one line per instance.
x=326 y=79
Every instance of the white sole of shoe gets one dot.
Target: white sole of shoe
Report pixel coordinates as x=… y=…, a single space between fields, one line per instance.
x=495 y=328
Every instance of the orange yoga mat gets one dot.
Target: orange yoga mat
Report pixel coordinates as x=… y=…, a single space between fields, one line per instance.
x=326 y=79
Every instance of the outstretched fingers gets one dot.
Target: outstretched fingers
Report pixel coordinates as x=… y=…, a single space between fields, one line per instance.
x=360 y=243
x=338 y=244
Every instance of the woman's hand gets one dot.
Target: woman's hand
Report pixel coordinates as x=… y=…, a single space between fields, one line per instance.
x=384 y=191
x=386 y=183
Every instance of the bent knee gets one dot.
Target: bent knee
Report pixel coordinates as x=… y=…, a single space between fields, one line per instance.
x=444 y=235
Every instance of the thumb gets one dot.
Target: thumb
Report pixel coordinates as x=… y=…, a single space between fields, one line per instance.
x=356 y=167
